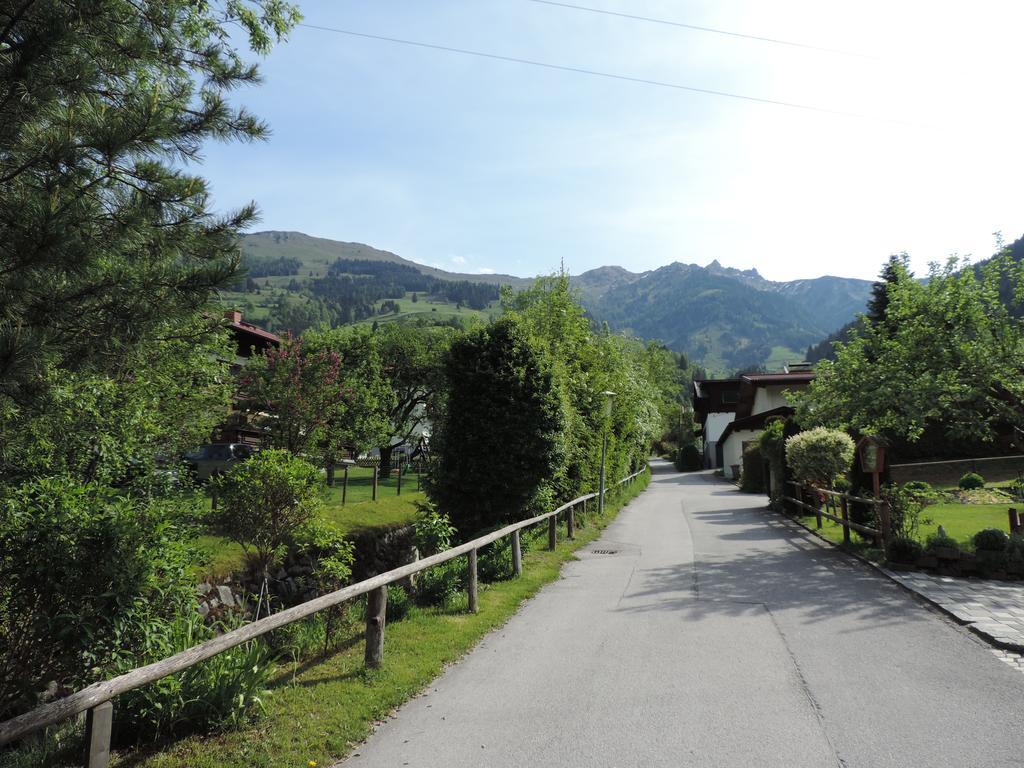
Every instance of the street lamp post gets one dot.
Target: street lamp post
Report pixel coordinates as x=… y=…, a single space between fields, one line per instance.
x=608 y=394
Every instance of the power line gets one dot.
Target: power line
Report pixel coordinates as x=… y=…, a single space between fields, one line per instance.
x=713 y=30
x=582 y=71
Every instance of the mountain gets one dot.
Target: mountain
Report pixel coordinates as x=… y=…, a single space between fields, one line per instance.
x=721 y=317
x=316 y=254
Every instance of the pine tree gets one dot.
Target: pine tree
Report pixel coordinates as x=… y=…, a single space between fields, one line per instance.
x=106 y=240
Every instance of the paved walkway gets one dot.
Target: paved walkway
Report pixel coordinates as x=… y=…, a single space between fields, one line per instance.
x=992 y=609
x=700 y=631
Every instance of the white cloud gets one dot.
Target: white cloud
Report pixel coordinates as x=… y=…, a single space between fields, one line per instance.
x=484 y=271
x=458 y=259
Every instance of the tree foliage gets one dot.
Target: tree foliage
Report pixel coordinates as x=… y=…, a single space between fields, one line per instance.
x=111 y=349
x=499 y=440
x=104 y=239
x=944 y=361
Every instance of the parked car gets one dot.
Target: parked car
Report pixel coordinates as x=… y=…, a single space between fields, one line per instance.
x=215 y=458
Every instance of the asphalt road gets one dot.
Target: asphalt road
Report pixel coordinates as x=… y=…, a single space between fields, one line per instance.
x=715 y=635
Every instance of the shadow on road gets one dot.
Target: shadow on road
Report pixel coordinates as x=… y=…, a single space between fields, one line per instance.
x=747 y=558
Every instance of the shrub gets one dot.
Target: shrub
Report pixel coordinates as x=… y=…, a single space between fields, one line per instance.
x=84 y=574
x=332 y=553
x=921 y=490
x=226 y=689
x=495 y=561
x=904 y=550
x=941 y=540
x=688 y=459
x=264 y=501
x=972 y=481
x=841 y=484
x=990 y=540
x=433 y=531
x=438 y=585
x=819 y=455
x=398 y=602
x=904 y=511
x=752 y=479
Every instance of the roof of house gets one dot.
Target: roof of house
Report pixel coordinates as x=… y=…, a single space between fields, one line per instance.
x=755 y=422
x=252 y=330
x=751 y=381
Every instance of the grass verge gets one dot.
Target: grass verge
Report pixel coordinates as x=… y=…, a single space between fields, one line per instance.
x=319 y=710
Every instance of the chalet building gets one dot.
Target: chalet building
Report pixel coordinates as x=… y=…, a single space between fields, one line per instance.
x=731 y=412
x=249 y=340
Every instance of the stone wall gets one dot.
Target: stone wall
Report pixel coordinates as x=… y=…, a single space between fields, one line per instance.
x=995 y=470
x=291 y=583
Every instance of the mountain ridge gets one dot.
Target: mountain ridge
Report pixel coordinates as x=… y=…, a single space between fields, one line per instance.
x=723 y=317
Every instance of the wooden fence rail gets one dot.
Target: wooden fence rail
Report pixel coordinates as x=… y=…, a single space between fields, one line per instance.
x=95 y=699
x=883 y=532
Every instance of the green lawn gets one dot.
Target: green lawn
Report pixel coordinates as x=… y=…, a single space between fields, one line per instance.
x=961 y=521
x=319 y=711
x=359 y=513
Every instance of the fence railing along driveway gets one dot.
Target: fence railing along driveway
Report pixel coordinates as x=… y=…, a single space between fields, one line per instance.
x=95 y=700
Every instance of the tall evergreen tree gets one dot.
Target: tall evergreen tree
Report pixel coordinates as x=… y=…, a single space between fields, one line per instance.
x=106 y=239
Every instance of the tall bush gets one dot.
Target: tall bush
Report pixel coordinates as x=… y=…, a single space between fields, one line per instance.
x=265 y=501
x=819 y=455
x=500 y=437
x=752 y=480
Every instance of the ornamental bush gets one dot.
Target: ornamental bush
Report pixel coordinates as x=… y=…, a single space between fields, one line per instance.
x=972 y=481
x=265 y=501
x=904 y=550
x=991 y=540
x=818 y=456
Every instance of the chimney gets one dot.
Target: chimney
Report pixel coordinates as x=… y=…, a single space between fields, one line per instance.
x=233 y=315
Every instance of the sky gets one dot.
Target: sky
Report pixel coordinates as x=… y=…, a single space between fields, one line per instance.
x=902 y=135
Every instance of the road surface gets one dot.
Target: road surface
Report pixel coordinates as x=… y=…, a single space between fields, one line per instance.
x=714 y=634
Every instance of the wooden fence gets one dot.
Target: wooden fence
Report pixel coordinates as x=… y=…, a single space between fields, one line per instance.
x=95 y=700
x=840 y=502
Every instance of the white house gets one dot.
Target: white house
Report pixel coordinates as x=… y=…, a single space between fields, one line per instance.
x=759 y=396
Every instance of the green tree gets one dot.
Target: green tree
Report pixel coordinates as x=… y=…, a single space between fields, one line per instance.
x=498 y=441
x=945 y=364
x=411 y=358
x=105 y=239
x=111 y=350
x=359 y=419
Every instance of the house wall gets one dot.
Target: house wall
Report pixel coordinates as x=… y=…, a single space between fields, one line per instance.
x=716 y=424
x=732 y=449
x=766 y=398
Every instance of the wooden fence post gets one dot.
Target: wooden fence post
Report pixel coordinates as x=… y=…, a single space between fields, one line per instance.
x=472 y=581
x=517 y=554
x=552 y=531
x=885 y=518
x=344 y=487
x=846 y=519
x=376 y=616
x=570 y=523
x=98 y=721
